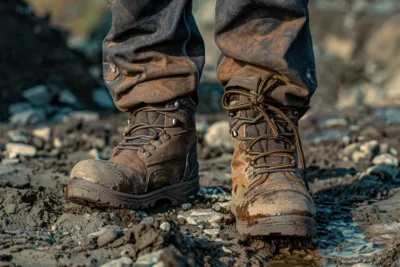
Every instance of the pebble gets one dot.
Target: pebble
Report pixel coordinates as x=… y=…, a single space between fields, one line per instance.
x=43 y=132
x=211 y=232
x=17 y=136
x=107 y=237
x=9 y=161
x=58 y=142
x=37 y=95
x=15 y=149
x=86 y=116
x=29 y=117
x=370 y=147
x=201 y=216
x=216 y=207
x=113 y=215
x=165 y=226
x=381 y=229
x=121 y=262
x=150 y=259
x=385 y=159
x=333 y=122
x=186 y=206
x=10 y=209
x=147 y=220
x=94 y=153
x=141 y=213
x=218 y=136
x=67 y=97
x=225 y=206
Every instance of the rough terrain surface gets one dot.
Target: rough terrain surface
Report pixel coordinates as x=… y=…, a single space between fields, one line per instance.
x=352 y=169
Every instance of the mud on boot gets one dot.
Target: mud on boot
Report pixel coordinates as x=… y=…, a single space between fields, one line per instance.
x=269 y=189
x=157 y=160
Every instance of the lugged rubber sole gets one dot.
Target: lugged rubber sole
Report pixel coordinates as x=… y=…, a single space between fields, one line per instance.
x=284 y=225
x=83 y=192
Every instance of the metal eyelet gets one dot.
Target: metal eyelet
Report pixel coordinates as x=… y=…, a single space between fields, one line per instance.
x=174 y=121
x=231 y=114
x=296 y=113
x=248 y=150
x=152 y=147
x=146 y=154
x=252 y=162
x=167 y=136
x=177 y=104
x=158 y=142
x=234 y=134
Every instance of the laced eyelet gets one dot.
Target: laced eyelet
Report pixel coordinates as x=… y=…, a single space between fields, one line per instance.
x=296 y=113
x=234 y=134
x=231 y=114
x=146 y=154
x=174 y=121
x=177 y=104
x=158 y=142
x=252 y=163
x=152 y=147
x=167 y=136
x=248 y=150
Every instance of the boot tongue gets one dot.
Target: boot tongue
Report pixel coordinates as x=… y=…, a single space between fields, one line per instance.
x=148 y=118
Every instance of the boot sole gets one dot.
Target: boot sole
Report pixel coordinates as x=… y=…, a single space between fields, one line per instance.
x=285 y=225
x=83 y=192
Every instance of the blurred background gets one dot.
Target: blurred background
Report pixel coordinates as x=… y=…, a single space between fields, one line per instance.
x=51 y=56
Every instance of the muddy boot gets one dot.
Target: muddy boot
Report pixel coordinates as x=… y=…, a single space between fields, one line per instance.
x=269 y=190
x=157 y=160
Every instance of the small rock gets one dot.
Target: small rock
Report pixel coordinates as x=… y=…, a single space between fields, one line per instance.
x=58 y=142
x=15 y=149
x=211 y=232
x=86 y=116
x=67 y=97
x=9 y=161
x=17 y=136
x=382 y=229
x=94 y=153
x=201 y=216
x=218 y=136
x=43 y=132
x=370 y=147
x=107 y=237
x=19 y=107
x=113 y=215
x=37 y=95
x=10 y=208
x=216 y=207
x=165 y=226
x=141 y=213
x=225 y=206
x=186 y=206
x=150 y=259
x=121 y=262
x=385 y=172
x=333 y=122
x=147 y=220
x=385 y=159
x=359 y=156
x=29 y=117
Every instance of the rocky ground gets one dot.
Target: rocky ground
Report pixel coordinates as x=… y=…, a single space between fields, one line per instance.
x=352 y=169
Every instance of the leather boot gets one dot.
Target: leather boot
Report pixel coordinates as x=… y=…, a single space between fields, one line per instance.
x=157 y=160
x=269 y=189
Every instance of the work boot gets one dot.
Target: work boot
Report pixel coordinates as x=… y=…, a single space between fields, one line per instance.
x=157 y=160
x=269 y=188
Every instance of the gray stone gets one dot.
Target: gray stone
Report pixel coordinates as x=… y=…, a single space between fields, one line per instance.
x=381 y=229
x=385 y=159
x=29 y=117
x=42 y=132
x=94 y=154
x=186 y=206
x=121 y=262
x=37 y=95
x=333 y=122
x=165 y=226
x=386 y=172
x=15 y=149
x=10 y=208
x=18 y=107
x=201 y=216
x=216 y=207
x=211 y=232
x=218 y=136
x=67 y=97
x=147 y=220
x=17 y=136
x=370 y=147
x=9 y=161
x=107 y=237
x=86 y=116
x=225 y=206
x=150 y=259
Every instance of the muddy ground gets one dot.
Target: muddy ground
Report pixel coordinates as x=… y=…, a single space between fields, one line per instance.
x=352 y=169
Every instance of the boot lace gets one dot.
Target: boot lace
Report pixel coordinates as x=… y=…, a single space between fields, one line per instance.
x=266 y=111
x=135 y=141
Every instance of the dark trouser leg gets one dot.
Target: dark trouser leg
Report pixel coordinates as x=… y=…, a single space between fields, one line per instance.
x=153 y=53
x=267 y=36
